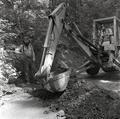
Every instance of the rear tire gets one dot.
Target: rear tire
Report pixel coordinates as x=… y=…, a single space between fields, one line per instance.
x=93 y=70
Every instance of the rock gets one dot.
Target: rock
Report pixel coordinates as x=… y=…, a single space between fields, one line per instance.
x=1 y=103
x=60 y=115
x=46 y=112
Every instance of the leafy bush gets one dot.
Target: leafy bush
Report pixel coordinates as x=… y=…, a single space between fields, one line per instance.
x=8 y=73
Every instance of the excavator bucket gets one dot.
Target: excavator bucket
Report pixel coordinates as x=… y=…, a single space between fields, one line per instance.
x=58 y=83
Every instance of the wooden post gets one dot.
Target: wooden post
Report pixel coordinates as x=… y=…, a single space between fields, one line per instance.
x=94 y=33
x=115 y=34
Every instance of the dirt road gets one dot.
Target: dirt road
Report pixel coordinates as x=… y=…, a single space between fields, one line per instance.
x=23 y=105
x=109 y=81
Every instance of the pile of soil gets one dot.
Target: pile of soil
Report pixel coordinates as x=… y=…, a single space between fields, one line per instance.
x=84 y=100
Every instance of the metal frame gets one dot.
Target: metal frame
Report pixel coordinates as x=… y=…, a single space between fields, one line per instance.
x=116 y=22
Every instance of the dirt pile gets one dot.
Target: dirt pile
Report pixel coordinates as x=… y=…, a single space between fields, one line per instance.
x=83 y=100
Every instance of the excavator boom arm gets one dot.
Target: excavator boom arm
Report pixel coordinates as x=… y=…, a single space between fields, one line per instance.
x=55 y=27
x=56 y=24
x=85 y=45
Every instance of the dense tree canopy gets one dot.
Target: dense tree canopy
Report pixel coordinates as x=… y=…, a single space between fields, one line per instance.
x=84 y=11
x=29 y=17
x=25 y=17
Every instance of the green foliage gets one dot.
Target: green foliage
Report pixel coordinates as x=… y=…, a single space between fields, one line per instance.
x=8 y=73
x=84 y=11
x=26 y=17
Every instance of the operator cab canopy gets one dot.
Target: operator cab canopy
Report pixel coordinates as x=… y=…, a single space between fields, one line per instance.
x=107 y=29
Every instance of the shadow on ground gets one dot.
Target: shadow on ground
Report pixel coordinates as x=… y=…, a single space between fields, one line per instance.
x=37 y=91
x=111 y=76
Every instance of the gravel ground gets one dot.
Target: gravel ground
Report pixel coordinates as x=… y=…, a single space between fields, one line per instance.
x=81 y=100
x=84 y=100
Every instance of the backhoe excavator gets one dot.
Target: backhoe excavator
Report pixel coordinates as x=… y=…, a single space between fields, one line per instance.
x=98 y=54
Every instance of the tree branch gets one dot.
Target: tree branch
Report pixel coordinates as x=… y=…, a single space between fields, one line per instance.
x=7 y=3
